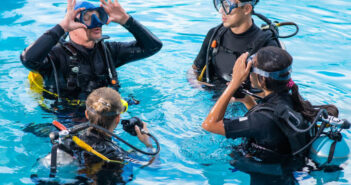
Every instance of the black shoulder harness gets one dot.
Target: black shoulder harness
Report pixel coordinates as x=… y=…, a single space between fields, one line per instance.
x=290 y=122
x=215 y=41
x=72 y=69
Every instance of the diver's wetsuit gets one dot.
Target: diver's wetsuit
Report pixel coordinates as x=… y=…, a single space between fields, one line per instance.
x=93 y=71
x=96 y=169
x=261 y=130
x=231 y=47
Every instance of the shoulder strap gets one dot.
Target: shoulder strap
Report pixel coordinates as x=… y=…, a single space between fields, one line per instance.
x=69 y=49
x=112 y=73
x=218 y=38
x=260 y=40
x=208 y=51
x=288 y=121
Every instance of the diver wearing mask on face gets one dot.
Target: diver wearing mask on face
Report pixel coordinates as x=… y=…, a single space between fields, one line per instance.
x=273 y=144
x=225 y=43
x=73 y=69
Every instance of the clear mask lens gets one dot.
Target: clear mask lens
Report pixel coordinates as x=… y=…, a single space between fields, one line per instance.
x=87 y=17
x=224 y=5
x=228 y=6
x=94 y=18
x=217 y=4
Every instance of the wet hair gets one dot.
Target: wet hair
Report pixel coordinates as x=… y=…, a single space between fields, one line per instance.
x=103 y=105
x=272 y=59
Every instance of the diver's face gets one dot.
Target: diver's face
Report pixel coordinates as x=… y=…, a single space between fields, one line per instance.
x=235 y=18
x=94 y=33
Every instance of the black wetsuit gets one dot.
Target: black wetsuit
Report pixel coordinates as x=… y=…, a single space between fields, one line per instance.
x=260 y=130
x=231 y=47
x=94 y=167
x=93 y=71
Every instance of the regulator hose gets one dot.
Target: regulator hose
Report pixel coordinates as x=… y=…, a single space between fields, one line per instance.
x=288 y=24
x=271 y=24
x=86 y=125
x=323 y=113
x=128 y=144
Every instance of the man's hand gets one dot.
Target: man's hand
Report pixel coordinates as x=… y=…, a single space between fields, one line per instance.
x=115 y=12
x=68 y=23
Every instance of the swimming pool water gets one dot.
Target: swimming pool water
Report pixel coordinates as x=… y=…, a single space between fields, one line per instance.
x=173 y=110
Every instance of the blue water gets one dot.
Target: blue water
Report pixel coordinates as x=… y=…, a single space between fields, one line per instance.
x=174 y=111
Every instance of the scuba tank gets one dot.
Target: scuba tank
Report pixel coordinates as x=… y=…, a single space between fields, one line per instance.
x=323 y=143
x=321 y=147
x=331 y=149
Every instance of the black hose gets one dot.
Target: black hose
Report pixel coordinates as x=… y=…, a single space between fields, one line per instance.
x=262 y=17
x=56 y=79
x=86 y=125
x=251 y=94
x=208 y=53
x=324 y=113
x=289 y=24
x=313 y=123
x=270 y=24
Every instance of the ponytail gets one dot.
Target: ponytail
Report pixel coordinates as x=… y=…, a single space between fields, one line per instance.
x=274 y=59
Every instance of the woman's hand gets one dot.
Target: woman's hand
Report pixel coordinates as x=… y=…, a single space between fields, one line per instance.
x=240 y=69
x=248 y=101
x=68 y=23
x=143 y=137
x=115 y=12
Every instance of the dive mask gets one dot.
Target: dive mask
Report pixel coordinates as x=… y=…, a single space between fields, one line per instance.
x=228 y=6
x=92 y=16
x=276 y=75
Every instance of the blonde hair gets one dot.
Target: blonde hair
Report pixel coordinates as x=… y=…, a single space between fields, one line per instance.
x=103 y=105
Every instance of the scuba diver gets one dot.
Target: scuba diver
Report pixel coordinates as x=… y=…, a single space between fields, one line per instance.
x=91 y=143
x=71 y=70
x=225 y=43
x=273 y=146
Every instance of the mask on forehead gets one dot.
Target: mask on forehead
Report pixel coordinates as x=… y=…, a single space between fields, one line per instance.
x=280 y=75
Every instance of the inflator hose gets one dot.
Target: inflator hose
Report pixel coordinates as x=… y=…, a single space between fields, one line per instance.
x=125 y=142
x=208 y=53
x=323 y=113
x=86 y=125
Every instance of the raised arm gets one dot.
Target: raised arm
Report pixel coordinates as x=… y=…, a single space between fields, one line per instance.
x=145 y=44
x=35 y=57
x=214 y=121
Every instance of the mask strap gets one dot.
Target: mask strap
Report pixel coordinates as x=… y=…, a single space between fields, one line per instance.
x=276 y=75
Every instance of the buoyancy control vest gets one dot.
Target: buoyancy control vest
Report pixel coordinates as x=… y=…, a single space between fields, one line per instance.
x=288 y=121
x=215 y=47
x=73 y=79
x=73 y=69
